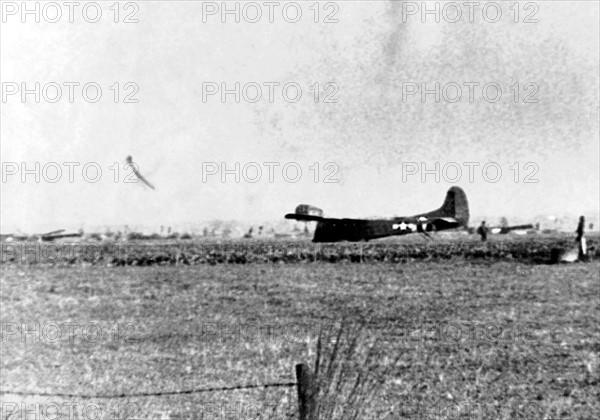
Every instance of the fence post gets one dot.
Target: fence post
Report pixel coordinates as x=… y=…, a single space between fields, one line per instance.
x=306 y=392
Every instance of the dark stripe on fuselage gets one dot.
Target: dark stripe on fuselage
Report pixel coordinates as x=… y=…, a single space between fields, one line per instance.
x=355 y=230
x=335 y=230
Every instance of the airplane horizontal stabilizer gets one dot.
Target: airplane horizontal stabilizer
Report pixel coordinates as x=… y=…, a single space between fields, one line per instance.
x=304 y=217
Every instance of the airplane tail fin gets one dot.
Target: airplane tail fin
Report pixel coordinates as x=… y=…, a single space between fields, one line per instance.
x=456 y=205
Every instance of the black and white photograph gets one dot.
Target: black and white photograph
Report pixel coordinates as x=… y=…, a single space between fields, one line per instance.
x=300 y=210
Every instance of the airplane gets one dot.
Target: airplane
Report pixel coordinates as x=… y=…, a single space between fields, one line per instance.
x=42 y=237
x=503 y=230
x=137 y=173
x=454 y=213
x=58 y=234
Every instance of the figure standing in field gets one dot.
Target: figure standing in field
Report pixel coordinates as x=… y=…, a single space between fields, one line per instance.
x=482 y=231
x=581 y=239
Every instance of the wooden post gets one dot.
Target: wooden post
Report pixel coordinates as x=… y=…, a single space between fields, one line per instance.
x=306 y=392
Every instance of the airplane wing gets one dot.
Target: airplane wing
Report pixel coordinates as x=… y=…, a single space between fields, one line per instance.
x=304 y=217
x=51 y=237
x=306 y=213
x=507 y=229
x=519 y=227
x=54 y=232
x=312 y=218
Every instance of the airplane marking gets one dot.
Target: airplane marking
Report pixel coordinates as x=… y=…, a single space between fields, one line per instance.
x=401 y=226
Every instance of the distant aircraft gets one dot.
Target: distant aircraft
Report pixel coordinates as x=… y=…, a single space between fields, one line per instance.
x=453 y=214
x=503 y=229
x=43 y=237
x=137 y=173
x=58 y=234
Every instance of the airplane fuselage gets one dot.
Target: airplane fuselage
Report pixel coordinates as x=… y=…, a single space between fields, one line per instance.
x=354 y=230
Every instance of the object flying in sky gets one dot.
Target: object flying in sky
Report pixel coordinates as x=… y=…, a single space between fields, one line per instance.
x=134 y=168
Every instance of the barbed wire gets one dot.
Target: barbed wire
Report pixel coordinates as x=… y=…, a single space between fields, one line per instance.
x=150 y=394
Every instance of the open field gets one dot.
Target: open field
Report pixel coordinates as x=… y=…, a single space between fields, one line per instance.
x=536 y=249
x=473 y=338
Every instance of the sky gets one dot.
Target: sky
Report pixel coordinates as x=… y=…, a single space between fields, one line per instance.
x=362 y=144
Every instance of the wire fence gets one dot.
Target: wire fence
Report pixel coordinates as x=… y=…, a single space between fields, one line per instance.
x=305 y=385
x=150 y=394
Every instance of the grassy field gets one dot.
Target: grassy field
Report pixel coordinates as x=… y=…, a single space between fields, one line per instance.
x=536 y=249
x=457 y=339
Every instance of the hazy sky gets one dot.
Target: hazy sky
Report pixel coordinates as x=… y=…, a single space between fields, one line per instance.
x=369 y=62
